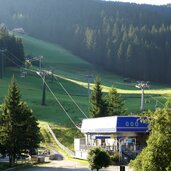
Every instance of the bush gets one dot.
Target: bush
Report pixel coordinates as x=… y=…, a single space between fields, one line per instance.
x=115 y=158
x=98 y=158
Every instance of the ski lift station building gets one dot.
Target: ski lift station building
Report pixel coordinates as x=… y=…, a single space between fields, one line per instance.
x=126 y=134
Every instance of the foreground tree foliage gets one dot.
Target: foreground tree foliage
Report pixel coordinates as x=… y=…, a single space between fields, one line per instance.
x=157 y=155
x=98 y=158
x=97 y=103
x=19 y=130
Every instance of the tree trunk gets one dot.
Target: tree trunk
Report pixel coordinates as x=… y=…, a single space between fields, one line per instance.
x=11 y=159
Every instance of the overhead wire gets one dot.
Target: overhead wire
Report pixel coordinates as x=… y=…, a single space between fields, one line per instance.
x=71 y=97
x=32 y=70
x=13 y=61
x=156 y=99
x=19 y=60
x=19 y=65
x=50 y=91
x=67 y=91
x=148 y=94
x=59 y=102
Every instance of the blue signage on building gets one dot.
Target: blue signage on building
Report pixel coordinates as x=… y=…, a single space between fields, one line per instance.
x=131 y=124
x=129 y=140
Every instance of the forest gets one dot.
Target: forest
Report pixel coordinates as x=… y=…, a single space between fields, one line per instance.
x=129 y=39
x=10 y=47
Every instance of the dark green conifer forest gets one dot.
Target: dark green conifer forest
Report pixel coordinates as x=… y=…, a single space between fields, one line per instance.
x=128 y=39
x=10 y=46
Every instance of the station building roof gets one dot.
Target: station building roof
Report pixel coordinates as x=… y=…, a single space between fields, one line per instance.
x=114 y=124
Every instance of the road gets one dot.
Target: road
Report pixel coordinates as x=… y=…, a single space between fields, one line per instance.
x=67 y=165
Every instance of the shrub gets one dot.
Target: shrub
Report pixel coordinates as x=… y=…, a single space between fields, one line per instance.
x=98 y=158
x=115 y=158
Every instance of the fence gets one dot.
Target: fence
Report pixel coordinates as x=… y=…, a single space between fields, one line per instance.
x=71 y=153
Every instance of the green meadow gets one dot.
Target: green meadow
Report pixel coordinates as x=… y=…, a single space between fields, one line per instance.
x=72 y=70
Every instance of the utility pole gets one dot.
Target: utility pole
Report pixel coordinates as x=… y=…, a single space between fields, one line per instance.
x=43 y=76
x=142 y=85
x=88 y=83
x=2 y=62
x=44 y=89
x=40 y=62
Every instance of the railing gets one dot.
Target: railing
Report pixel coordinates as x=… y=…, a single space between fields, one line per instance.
x=84 y=147
x=139 y=147
x=68 y=151
x=128 y=154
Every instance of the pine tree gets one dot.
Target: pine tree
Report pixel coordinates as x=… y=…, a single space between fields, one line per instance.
x=114 y=103
x=19 y=130
x=97 y=103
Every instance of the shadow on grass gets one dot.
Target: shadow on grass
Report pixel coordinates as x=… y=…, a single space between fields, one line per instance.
x=4 y=165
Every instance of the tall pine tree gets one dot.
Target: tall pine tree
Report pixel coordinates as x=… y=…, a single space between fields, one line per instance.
x=97 y=103
x=19 y=130
x=114 y=103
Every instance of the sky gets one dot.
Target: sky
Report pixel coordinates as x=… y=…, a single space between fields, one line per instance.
x=153 y=2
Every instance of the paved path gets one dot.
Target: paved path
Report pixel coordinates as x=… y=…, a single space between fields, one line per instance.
x=66 y=165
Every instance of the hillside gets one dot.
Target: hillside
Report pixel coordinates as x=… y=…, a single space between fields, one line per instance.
x=129 y=39
x=31 y=85
x=71 y=74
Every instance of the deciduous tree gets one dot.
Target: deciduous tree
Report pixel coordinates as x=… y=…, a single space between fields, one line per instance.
x=98 y=158
x=156 y=156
